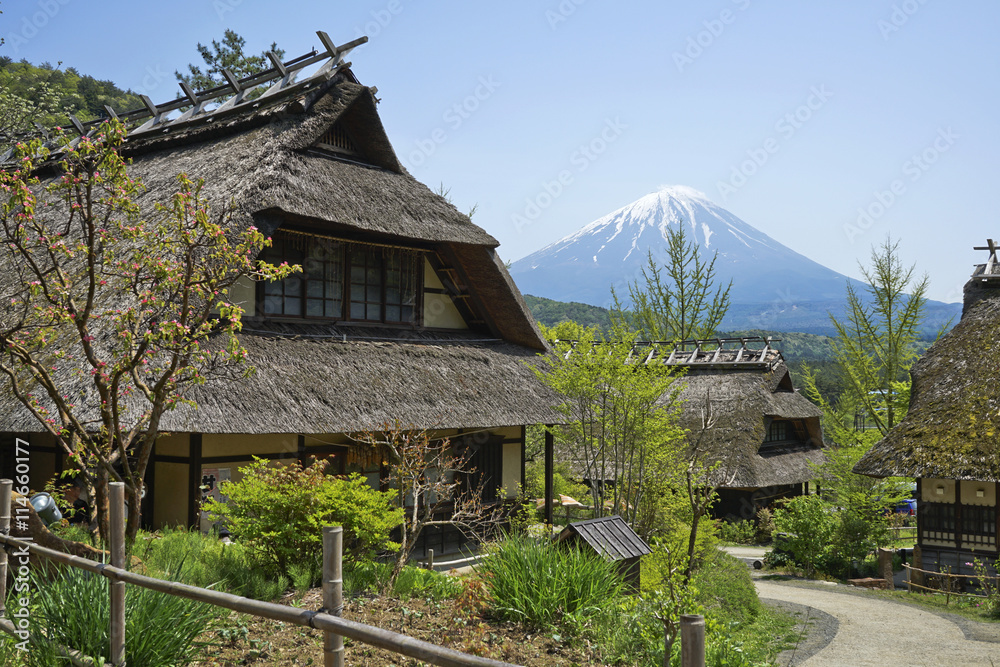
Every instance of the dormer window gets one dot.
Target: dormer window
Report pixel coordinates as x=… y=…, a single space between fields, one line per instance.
x=341 y=280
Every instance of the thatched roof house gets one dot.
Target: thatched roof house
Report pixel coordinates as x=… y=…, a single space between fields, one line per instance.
x=950 y=438
x=739 y=407
x=404 y=311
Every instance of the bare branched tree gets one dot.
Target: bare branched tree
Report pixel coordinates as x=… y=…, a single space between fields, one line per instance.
x=436 y=485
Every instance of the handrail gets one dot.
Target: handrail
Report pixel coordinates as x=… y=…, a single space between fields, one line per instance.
x=385 y=639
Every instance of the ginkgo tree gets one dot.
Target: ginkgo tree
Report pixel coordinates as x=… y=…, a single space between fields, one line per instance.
x=110 y=315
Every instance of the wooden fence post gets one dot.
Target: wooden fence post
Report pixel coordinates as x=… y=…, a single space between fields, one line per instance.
x=430 y=559
x=117 y=588
x=6 y=486
x=692 y=640
x=885 y=567
x=333 y=592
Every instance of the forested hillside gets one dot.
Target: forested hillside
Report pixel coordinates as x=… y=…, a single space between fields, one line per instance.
x=67 y=90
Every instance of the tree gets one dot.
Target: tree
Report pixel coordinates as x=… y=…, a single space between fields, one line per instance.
x=620 y=418
x=433 y=482
x=227 y=54
x=108 y=319
x=876 y=344
x=676 y=301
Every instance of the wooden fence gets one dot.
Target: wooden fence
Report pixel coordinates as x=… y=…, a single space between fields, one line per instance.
x=327 y=619
x=950 y=582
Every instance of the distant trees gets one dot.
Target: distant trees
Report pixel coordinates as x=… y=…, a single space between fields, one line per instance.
x=226 y=54
x=676 y=301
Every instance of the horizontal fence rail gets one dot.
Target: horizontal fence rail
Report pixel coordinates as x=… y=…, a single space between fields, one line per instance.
x=950 y=580
x=367 y=634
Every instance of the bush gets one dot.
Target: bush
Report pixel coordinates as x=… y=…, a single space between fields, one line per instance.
x=543 y=584
x=72 y=609
x=738 y=532
x=278 y=513
x=809 y=528
x=725 y=589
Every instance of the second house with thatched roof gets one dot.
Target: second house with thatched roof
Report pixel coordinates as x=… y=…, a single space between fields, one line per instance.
x=403 y=312
x=950 y=438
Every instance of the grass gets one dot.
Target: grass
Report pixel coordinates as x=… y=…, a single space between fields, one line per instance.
x=70 y=608
x=541 y=585
x=971 y=608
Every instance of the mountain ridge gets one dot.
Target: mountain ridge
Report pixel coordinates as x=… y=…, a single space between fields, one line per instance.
x=774 y=287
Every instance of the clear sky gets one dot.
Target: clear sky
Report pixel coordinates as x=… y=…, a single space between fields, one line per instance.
x=825 y=125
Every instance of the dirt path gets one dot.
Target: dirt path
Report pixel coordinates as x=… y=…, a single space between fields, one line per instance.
x=870 y=631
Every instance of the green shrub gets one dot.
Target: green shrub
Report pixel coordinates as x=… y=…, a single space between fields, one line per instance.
x=278 y=513
x=368 y=577
x=72 y=610
x=809 y=528
x=738 y=532
x=543 y=584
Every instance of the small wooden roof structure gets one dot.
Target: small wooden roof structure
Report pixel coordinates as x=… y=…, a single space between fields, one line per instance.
x=952 y=429
x=609 y=536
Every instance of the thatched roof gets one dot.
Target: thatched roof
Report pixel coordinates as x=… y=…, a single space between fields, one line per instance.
x=737 y=403
x=952 y=429
x=320 y=377
x=326 y=379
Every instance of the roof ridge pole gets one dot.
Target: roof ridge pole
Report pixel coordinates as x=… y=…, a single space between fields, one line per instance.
x=286 y=78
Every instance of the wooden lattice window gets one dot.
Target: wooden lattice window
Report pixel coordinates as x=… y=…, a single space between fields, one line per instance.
x=937 y=522
x=342 y=281
x=777 y=431
x=337 y=139
x=979 y=526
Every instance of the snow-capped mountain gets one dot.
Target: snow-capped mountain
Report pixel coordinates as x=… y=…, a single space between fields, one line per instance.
x=774 y=287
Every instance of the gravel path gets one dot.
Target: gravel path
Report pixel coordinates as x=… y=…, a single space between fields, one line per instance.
x=864 y=630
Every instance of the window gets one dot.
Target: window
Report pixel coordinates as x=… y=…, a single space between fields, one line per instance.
x=342 y=281
x=979 y=526
x=937 y=522
x=777 y=432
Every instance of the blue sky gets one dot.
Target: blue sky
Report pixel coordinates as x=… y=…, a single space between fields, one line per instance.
x=825 y=125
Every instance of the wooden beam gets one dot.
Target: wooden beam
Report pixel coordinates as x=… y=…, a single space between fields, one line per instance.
x=234 y=83
x=194 y=481
x=549 y=465
x=278 y=65
x=191 y=95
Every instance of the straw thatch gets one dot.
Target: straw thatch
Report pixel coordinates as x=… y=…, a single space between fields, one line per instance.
x=726 y=411
x=952 y=429
x=320 y=377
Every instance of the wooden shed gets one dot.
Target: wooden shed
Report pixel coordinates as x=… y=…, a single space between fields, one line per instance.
x=611 y=537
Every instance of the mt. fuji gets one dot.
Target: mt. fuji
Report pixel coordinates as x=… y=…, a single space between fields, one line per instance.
x=774 y=287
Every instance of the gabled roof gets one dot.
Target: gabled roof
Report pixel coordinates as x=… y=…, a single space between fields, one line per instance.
x=262 y=155
x=609 y=536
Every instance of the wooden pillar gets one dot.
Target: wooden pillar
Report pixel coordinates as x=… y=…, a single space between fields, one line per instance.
x=6 y=486
x=549 y=464
x=302 y=450
x=333 y=592
x=524 y=452
x=194 y=481
x=149 y=486
x=958 y=514
x=692 y=640
x=117 y=588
